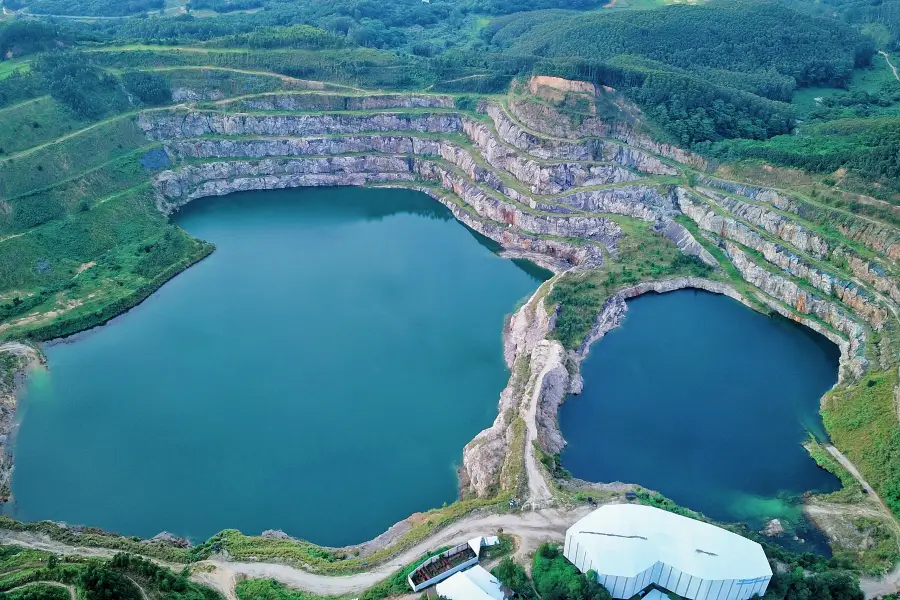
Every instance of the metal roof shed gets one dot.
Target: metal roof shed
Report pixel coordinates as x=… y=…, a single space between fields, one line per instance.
x=472 y=584
x=631 y=547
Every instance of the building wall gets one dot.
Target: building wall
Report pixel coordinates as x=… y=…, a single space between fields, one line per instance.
x=665 y=576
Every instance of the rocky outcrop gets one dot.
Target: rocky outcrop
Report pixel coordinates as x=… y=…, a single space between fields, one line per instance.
x=219 y=178
x=685 y=242
x=20 y=358
x=772 y=222
x=875 y=236
x=514 y=229
x=639 y=201
x=551 y=121
x=787 y=291
x=309 y=101
x=170 y=539
x=847 y=292
x=487 y=459
x=544 y=178
x=169 y=125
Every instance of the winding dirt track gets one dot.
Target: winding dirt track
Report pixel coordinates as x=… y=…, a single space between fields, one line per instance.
x=68 y=588
x=529 y=528
x=890 y=64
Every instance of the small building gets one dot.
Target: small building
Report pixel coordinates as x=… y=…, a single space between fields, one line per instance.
x=440 y=567
x=633 y=547
x=473 y=584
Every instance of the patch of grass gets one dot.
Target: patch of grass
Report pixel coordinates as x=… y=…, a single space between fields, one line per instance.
x=879 y=555
x=56 y=162
x=861 y=419
x=8 y=67
x=320 y=560
x=643 y=255
x=32 y=123
x=269 y=589
x=850 y=490
x=89 y=537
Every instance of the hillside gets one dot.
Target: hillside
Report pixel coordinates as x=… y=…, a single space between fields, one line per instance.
x=641 y=172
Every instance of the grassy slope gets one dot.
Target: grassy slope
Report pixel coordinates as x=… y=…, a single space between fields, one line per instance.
x=32 y=123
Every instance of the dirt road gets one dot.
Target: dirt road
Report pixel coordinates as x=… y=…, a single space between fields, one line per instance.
x=530 y=529
x=889 y=584
x=539 y=494
x=890 y=64
x=68 y=588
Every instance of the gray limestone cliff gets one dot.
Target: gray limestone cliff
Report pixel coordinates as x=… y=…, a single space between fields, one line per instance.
x=729 y=228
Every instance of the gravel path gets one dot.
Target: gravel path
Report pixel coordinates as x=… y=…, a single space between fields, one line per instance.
x=529 y=528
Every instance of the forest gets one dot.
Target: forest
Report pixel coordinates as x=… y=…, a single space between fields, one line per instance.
x=733 y=78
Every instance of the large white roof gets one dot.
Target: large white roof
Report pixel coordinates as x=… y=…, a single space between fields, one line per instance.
x=473 y=584
x=625 y=539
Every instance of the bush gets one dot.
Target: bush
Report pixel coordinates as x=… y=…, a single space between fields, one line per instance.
x=513 y=576
x=555 y=578
x=150 y=88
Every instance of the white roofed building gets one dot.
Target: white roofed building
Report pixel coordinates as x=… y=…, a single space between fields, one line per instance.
x=472 y=584
x=632 y=547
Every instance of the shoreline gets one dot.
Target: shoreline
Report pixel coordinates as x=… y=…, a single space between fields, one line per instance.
x=608 y=319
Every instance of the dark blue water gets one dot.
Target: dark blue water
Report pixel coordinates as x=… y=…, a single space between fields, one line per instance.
x=707 y=402
x=319 y=373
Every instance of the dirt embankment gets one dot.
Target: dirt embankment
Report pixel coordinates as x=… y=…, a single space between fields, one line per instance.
x=15 y=359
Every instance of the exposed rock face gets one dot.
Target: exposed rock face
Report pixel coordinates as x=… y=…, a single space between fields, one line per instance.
x=324 y=101
x=24 y=357
x=548 y=120
x=685 y=242
x=782 y=227
x=539 y=384
x=726 y=227
x=275 y=534
x=549 y=386
x=773 y=528
x=558 y=85
x=793 y=295
x=164 y=537
x=163 y=126
x=544 y=178
x=527 y=192
x=639 y=201
x=877 y=237
x=215 y=179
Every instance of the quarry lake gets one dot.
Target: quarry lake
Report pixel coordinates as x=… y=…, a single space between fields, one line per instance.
x=707 y=402
x=319 y=373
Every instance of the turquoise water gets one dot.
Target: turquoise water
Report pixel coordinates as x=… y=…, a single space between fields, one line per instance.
x=319 y=373
x=707 y=402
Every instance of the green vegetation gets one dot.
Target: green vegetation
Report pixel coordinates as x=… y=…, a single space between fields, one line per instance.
x=851 y=490
x=107 y=8
x=555 y=578
x=150 y=88
x=37 y=575
x=37 y=591
x=880 y=19
x=809 y=576
x=97 y=538
x=861 y=419
x=81 y=239
x=269 y=589
x=395 y=585
x=868 y=146
x=643 y=255
x=32 y=123
x=513 y=576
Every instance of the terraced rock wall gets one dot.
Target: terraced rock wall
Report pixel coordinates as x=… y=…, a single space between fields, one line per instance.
x=548 y=192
